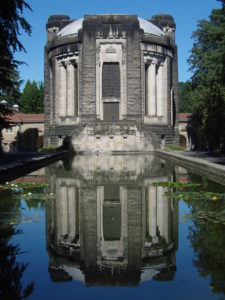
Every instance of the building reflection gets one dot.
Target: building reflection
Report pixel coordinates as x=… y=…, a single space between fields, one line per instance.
x=108 y=224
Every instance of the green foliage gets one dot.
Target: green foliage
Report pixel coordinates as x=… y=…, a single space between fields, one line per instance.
x=48 y=149
x=23 y=185
x=194 y=196
x=206 y=234
x=177 y=185
x=193 y=192
x=12 y=22
x=5 y=112
x=175 y=147
x=35 y=194
x=186 y=104
x=207 y=240
x=12 y=94
x=32 y=98
x=207 y=62
x=206 y=231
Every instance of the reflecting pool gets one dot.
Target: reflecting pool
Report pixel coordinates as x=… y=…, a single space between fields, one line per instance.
x=112 y=227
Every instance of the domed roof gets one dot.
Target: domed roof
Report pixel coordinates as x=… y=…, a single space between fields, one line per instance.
x=150 y=28
x=72 y=28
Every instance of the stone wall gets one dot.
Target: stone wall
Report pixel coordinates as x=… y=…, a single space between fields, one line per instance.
x=117 y=39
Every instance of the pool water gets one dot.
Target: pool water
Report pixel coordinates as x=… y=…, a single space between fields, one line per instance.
x=112 y=227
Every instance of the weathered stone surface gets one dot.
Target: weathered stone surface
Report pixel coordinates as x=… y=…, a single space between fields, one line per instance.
x=115 y=39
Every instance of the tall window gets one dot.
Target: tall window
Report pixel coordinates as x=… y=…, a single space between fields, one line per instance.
x=112 y=213
x=111 y=91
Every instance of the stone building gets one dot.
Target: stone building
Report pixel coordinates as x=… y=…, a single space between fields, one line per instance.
x=185 y=139
x=111 y=82
x=20 y=123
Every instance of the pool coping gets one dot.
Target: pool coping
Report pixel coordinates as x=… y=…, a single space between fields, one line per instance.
x=200 y=166
x=20 y=167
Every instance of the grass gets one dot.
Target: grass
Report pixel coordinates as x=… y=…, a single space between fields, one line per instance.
x=176 y=148
x=48 y=149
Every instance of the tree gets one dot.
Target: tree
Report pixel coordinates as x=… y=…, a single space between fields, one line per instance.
x=11 y=24
x=13 y=94
x=207 y=62
x=185 y=98
x=31 y=100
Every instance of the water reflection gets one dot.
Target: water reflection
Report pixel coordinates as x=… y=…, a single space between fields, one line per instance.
x=108 y=225
x=11 y=269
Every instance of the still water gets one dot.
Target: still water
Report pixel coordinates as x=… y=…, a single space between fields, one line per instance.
x=112 y=227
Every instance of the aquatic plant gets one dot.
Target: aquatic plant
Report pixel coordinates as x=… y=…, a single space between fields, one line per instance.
x=179 y=185
x=24 y=185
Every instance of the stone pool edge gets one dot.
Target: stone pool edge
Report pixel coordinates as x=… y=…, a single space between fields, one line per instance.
x=20 y=167
x=200 y=166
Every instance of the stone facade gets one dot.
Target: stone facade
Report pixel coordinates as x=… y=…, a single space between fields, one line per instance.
x=111 y=83
x=20 y=123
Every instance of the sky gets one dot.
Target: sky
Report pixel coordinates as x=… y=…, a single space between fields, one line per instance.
x=186 y=14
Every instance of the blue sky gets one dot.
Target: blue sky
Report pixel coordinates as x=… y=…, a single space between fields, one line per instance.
x=186 y=14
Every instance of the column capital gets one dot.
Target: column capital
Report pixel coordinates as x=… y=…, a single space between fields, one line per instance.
x=62 y=64
x=154 y=61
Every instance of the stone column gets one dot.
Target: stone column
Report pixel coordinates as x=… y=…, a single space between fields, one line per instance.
x=62 y=90
x=160 y=210
x=57 y=88
x=98 y=87
x=51 y=93
x=166 y=217
x=152 y=212
x=71 y=212
x=63 y=210
x=171 y=107
x=160 y=92
x=75 y=85
x=70 y=89
x=123 y=200
x=152 y=89
x=100 y=201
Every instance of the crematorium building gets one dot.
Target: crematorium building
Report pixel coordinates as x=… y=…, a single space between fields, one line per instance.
x=111 y=83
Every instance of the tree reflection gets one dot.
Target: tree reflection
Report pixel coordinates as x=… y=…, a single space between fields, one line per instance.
x=208 y=242
x=208 y=239
x=11 y=271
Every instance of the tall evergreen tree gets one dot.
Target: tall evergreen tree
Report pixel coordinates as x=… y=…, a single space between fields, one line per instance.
x=12 y=21
x=186 y=104
x=31 y=100
x=11 y=24
x=12 y=95
x=207 y=62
